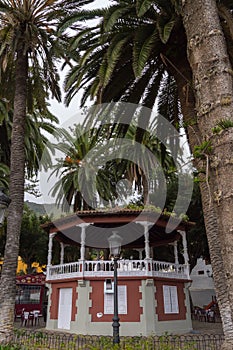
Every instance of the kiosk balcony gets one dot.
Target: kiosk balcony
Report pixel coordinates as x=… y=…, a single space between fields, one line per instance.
x=126 y=268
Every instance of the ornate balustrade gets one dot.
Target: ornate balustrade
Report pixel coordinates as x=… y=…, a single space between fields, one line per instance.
x=104 y=268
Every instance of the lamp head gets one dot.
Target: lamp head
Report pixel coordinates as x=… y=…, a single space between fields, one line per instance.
x=115 y=244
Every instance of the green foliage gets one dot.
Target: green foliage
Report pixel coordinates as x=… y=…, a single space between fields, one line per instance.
x=143 y=45
x=33 y=28
x=33 y=240
x=111 y=17
x=135 y=206
x=11 y=347
x=120 y=58
x=197 y=239
x=165 y=28
x=184 y=217
x=4 y=175
x=202 y=150
x=36 y=144
x=74 y=171
x=143 y=6
x=223 y=124
x=113 y=53
x=152 y=208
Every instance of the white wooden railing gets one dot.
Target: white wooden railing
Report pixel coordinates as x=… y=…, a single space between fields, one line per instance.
x=104 y=268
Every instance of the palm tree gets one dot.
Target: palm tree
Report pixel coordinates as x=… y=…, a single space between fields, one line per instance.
x=86 y=167
x=114 y=53
x=142 y=165
x=214 y=109
x=138 y=41
x=39 y=122
x=84 y=176
x=29 y=45
x=74 y=146
x=36 y=143
x=122 y=59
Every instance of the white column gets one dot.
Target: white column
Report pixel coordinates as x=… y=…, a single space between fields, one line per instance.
x=62 y=246
x=50 y=248
x=146 y=225
x=184 y=241
x=83 y=239
x=147 y=243
x=175 y=252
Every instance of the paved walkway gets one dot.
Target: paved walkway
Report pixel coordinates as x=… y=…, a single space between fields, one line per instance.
x=207 y=327
x=39 y=325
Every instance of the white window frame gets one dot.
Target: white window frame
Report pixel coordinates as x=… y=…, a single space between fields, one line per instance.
x=170 y=299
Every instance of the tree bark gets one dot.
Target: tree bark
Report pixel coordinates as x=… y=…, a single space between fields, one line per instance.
x=183 y=76
x=8 y=277
x=212 y=81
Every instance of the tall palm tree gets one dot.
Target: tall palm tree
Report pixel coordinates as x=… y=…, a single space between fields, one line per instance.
x=210 y=56
x=28 y=43
x=39 y=122
x=123 y=58
x=141 y=40
x=74 y=147
x=144 y=170
x=80 y=180
x=36 y=143
x=79 y=175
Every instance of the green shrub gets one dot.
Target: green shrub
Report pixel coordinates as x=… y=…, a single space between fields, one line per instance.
x=10 y=347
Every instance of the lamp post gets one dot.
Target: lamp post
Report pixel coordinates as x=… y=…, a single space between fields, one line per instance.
x=4 y=203
x=115 y=248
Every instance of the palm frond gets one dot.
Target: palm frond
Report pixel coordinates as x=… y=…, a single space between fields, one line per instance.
x=144 y=42
x=143 y=6
x=165 y=27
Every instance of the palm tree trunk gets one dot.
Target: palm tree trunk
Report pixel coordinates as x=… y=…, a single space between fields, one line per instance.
x=213 y=237
x=8 y=277
x=183 y=76
x=211 y=69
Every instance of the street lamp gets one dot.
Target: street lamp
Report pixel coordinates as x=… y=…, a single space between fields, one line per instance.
x=115 y=248
x=4 y=203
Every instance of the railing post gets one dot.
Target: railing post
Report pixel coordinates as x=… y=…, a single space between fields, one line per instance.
x=140 y=253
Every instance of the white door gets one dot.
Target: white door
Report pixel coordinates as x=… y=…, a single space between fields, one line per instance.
x=64 y=308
